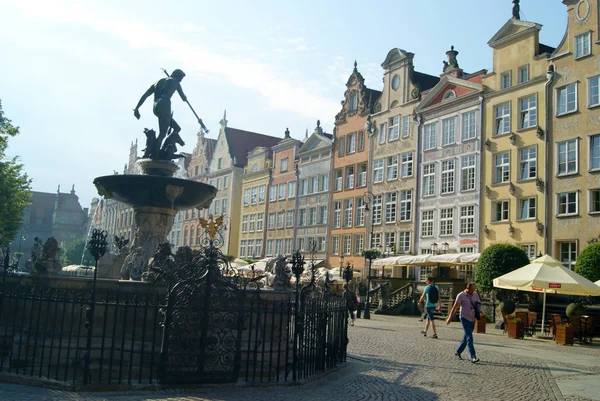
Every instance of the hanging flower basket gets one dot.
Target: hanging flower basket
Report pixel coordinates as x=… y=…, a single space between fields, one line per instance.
x=516 y=328
x=480 y=325
x=564 y=334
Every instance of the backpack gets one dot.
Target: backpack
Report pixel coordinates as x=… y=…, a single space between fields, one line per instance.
x=434 y=295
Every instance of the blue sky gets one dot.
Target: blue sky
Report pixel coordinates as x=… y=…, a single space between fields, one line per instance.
x=72 y=71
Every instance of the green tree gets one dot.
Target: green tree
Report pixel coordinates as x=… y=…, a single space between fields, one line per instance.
x=15 y=186
x=496 y=260
x=71 y=253
x=588 y=262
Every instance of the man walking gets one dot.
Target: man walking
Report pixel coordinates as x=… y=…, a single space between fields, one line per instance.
x=468 y=300
x=432 y=297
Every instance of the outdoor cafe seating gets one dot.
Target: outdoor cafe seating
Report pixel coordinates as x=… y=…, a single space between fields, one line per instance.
x=583 y=326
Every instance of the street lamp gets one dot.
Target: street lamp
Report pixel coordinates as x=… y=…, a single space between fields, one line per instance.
x=341 y=264
x=368 y=198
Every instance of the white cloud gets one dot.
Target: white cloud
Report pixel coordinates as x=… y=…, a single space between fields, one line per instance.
x=189 y=27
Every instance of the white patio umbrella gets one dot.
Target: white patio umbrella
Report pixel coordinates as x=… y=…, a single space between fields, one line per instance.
x=597 y=282
x=546 y=274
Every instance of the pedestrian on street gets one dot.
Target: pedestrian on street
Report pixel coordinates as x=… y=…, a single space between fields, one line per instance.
x=431 y=297
x=351 y=303
x=469 y=302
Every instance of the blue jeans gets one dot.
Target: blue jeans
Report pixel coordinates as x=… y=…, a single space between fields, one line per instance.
x=467 y=340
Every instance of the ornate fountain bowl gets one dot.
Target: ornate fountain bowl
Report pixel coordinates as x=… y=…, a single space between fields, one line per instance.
x=155 y=191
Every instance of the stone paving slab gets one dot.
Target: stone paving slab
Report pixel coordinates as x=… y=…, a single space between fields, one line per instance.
x=390 y=360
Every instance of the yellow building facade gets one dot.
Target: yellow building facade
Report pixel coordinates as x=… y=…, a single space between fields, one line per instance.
x=515 y=141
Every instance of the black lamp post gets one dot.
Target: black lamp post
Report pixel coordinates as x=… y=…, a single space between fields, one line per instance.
x=368 y=198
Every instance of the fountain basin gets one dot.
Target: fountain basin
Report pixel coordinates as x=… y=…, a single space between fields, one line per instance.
x=155 y=191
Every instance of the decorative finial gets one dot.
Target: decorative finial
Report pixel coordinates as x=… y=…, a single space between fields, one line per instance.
x=355 y=65
x=73 y=190
x=212 y=225
x=452 y=63
x=306 y=135
x=318 y=123
x=58 y=189
x=516 y=11
x=225 y=114
x=287 y=133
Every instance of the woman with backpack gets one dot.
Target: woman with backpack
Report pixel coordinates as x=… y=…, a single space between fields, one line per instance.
x=432 y=297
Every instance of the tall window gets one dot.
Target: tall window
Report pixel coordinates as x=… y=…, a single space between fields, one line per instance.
x=429 y=179
x=261 y=194
x=359 y=241
x=582 y=45
x=377 y=208
x=392 y=168
x=405 y=126
x=448 y=131
x=566 y=99
x=360 y=212
x=505 y=80
x=394 y=128
x=302 y=217
x=250 y=248
x=595 y=152
x=467 y=220
x=523 y=74
x=390 y=242
x=244 y=224
x=254 y=195
x=567 y=204
x=287 y=246
x=503 y=119
x=382 y=132
x=260 y=221
x=351 y=143
x=243 y=248
x=528 y=165
x=529 y=250
x=502 y=168
x=339 y=179
x=322 y=214
x=349 y=177
x=269 y=248
x=362 y=175
x=252 y=223
x=313 y=184
x=594 y=197
x=283 y=164
x=348 y=208
x=272 y=193
x=446 y=221
x=282 y=189
x=312 y=216
x=405 y=205
x=292 y=189
x=468 y=126
x=501 y=211
x=378 y=170
x=335 y=245
x=429 y=140
x=280 y=217
x=567 y=157
x=427 y=223
x=278 y=247
x=353 y=102
x=246 y=197
x=528 y=112
x=289 y=218
x=337 y=214
x=467 y=174
x=407 y=164
x=347 y=245
x=527 y=208
x=376 y=241
x=271 y=222
x=447 y=176
x=404 y=241
x=391 y=199
x=568 y=253
x=361 y=141
x=303 y=189
x=593 y=91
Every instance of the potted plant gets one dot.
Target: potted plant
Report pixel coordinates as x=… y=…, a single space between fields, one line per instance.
x=480 y=324
x=516 y=328
x=564 y=334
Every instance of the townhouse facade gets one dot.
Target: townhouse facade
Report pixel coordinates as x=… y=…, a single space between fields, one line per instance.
x=350 y=175
x=313 y=161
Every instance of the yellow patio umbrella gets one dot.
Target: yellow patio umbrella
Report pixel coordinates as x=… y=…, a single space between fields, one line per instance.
x=547 y=275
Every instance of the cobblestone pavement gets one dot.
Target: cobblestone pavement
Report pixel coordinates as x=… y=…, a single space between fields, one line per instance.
x=390 y=360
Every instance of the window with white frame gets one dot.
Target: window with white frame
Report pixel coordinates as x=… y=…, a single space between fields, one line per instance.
x=378 y=170
x=348 y=209
x=392 y=168
x=321 y=244
x=250 y=248
x=502 y=168
x=291 y=189
x=427 y=223
x=278 y=247
x=505 y=80
x=252 y=223
x=261 y=194
x=467 y=249
x=582 y=45
x=335 y=245
x=594 y=152
x=244 y=223
x=362 y=175
x=447 y=221
x=468 y=126
x=503 y=119
x=407 y=164
x=528 y=164
x=391 y=199
x=289 y=218
x=303 y=188
x=226 y=182
x=271 y=221
x=429 y=179
x=467 y=220
x=246 y=197
x=351 y=143
x=594 y=91
x=302 y=217
x=382 y=132
x=567 y=157
x=218 y=184
x=224 y=205
x=376 y=242
x=405 y=205
x=339 y=179
x=337 y=214
x=283 y=165
x=447 y=176
x=322 y=214
x=566 y=99
x=529 y=250
x=301 y=244
x=360 y=212
x=404 y=241
x=242 y=248
x=359 y=243
x=429 y=136
x=280 y=219
x=353 y=102
x=313 y=184
x=390 y=242
x=324 y=182
x=568 y=253
x=405 y=126
x=448 y=131
x=272 y=193
x=349 y=177
x=258 y=244
x=254 y=195
x=594 y=199
x=287 y=246
x=567 y=204
x=260 y=217
x=361 y=141
x=377 y=209
x=282 y=190
x=523 y=74
x=527 y=208
x=269 y=248
x=347 y=245
x=528 y=112
x=501 y=211
x=394 y=128
x=312 y=216
x=467 y=173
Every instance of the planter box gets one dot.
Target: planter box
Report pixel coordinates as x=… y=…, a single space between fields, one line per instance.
x=480 y=325
x=564 y=335
x=516 y=329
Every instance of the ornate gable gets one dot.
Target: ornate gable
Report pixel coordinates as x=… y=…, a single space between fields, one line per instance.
x=358 y=99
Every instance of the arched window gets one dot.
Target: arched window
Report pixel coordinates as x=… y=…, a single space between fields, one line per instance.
x=192 y=236
x=449 y=94
x=185 y=237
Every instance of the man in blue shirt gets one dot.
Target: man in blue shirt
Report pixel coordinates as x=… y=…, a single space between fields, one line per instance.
x=432 y=295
